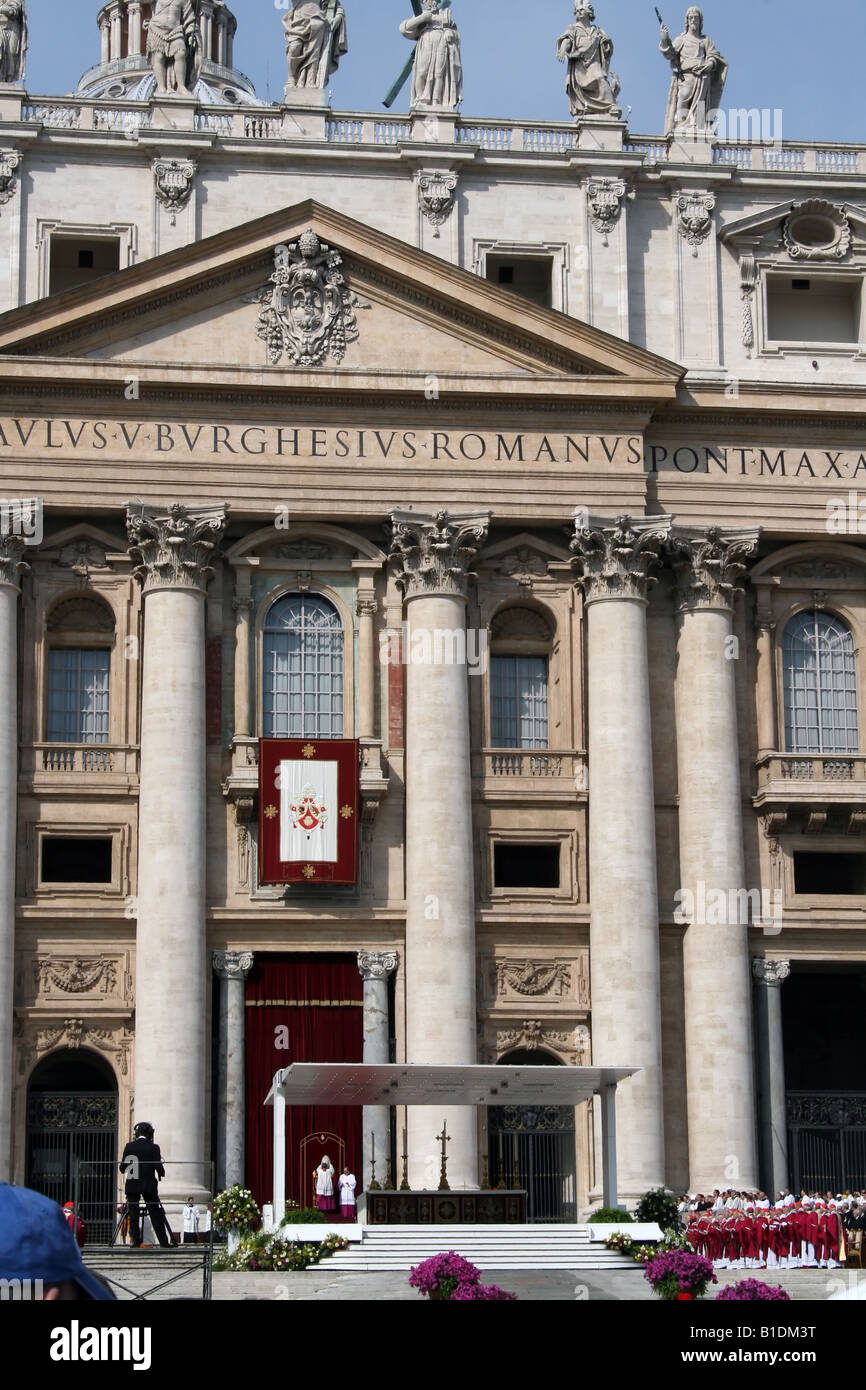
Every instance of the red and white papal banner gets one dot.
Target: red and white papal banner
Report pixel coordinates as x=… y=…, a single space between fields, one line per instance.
x=308 y=810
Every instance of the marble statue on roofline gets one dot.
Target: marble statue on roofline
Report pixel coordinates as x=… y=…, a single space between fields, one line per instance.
x=13 y=40
x=591 y=86
x=698 y=78
x=173 y=47
x=315 y=42
x=437 y=71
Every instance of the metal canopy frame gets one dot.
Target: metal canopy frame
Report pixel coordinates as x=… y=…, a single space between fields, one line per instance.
x=405 y=1083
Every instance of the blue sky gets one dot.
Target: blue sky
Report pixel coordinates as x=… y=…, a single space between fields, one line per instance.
x=781 y=53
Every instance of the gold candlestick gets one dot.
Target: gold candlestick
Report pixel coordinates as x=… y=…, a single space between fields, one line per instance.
x=485 y=1173
x=374 y=1186
x=404 y=1181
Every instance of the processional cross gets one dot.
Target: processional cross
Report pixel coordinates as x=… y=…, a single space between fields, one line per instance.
x=444 y=1138
x=407 y=71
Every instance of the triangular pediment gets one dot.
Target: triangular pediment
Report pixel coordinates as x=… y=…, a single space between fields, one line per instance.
x=765 y=230
x=403 y=316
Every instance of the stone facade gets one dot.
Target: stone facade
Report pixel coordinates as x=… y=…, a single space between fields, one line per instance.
x=334 y=398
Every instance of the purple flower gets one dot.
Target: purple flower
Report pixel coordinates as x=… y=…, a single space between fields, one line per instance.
x=746 y=1289
x=443 y=1273
x=475 y=1293
x=679 y=1271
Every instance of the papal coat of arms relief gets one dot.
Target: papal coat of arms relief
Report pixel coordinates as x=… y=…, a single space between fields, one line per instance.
x=308 y=310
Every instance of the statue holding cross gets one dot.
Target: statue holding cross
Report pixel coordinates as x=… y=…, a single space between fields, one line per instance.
x=436 y=64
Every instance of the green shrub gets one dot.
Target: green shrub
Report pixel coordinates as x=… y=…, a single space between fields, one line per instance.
x=608 y=1215
x=658 y=1206
x=303 y=1216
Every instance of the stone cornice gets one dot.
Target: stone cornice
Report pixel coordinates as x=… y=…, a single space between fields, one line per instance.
x=174 y=545
x=433 y=554
x=709 y=564
x=613 y=557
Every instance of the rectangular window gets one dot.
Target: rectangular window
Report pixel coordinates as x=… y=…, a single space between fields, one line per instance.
x=518 y=702
x=77 y=695
x=77 y=260
x=816 y=309
x=76 y=861
x=530 y=276
x=525 y=866
x=830 y=875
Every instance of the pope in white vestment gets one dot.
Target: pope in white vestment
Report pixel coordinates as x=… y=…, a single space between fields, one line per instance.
x=324 y=1175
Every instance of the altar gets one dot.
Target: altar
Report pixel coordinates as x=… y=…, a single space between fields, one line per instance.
x=490 y=1208
x=403 y=1084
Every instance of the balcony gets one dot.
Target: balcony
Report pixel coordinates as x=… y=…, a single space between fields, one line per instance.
x=542 y=774
x=821 y=786
x=241 y=787
x=95 y=768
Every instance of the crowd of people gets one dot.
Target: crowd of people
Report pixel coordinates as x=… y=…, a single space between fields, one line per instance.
x=746 y=1230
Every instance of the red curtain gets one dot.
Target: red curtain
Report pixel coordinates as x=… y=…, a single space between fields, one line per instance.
x=319 y=1000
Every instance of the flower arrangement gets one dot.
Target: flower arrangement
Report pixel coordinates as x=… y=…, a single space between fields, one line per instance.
x=465 y=1293
x=262 y=1253
x=621 y=1242
x=449 y=1277
x=659 y=1206
x=747 y=1289
x=676 y=1272
x=236 y=1209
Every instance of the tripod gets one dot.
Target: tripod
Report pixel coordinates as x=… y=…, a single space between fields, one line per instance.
x=133 y=1215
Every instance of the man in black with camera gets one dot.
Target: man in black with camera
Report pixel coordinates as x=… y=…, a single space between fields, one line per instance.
x=142 y=1166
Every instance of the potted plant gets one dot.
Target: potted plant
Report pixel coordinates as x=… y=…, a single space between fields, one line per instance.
x=678 y=1274
x=658 y=1206
x=439 y=1276
x=236 y=1211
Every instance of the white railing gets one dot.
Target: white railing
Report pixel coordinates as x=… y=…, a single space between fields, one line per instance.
x=121 y=118
x=81 y=759
x=812 y=768
x=530 y=768
x=654 y=151
x=60 y=117
x=549 y=139
x=345 y=130
x=258 y=127
x=220 y=122
x=489 y=137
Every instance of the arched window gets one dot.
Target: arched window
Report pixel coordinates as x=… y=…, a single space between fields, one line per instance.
x=80 y=637
x=302 y=686
x=519 y=680
x=819 y=679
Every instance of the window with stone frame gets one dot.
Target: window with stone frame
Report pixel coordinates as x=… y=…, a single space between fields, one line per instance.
x=302 y=679
x=521 y=640
x=80 y=634
x=819 y=682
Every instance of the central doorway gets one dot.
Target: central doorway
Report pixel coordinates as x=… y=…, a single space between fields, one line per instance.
x=533 y=1147
x=72 y=1137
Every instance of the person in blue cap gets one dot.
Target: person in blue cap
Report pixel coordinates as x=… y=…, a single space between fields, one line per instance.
x=38 y=1249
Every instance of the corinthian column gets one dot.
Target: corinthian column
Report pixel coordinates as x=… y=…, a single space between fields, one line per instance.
x=232 y=967
x=612 y=564
x=173 y=547
x=433 y=557
x=718 y=1013
x=375 y=968
x=11 y=564
x=770 y=975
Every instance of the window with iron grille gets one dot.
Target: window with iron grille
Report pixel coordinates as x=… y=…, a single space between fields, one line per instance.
x=819 y=676
x=518 y=701
x=302 y=687
x=77 y=695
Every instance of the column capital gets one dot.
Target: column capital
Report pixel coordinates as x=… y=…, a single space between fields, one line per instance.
x=613 y=556
x=709 y=564
x=770 y=972
x=232 y=965
x=174 y=544
x=366 y=605
x=11 y=563
x=433 y=553
x=377 y=965
x=243 y=603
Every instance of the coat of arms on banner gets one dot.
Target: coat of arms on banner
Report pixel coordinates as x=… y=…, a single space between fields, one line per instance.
x=308 y=812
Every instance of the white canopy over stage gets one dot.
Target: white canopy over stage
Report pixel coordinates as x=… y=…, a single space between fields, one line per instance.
x=403 y=1083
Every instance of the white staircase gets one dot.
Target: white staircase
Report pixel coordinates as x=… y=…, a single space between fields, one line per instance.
x=490 y=1247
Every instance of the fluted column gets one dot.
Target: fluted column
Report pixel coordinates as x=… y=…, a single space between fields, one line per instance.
x=718 y=1007
x=433 y=557
x=232 y=967
x=366 y=608
x=173 y=547
x=116 y=22
x=104 y=38
x=765 y=681
x=134 y=21
x=770 y=975
x=612 y=564
x=375 y=968
x=11 y=564
x=243 y=607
